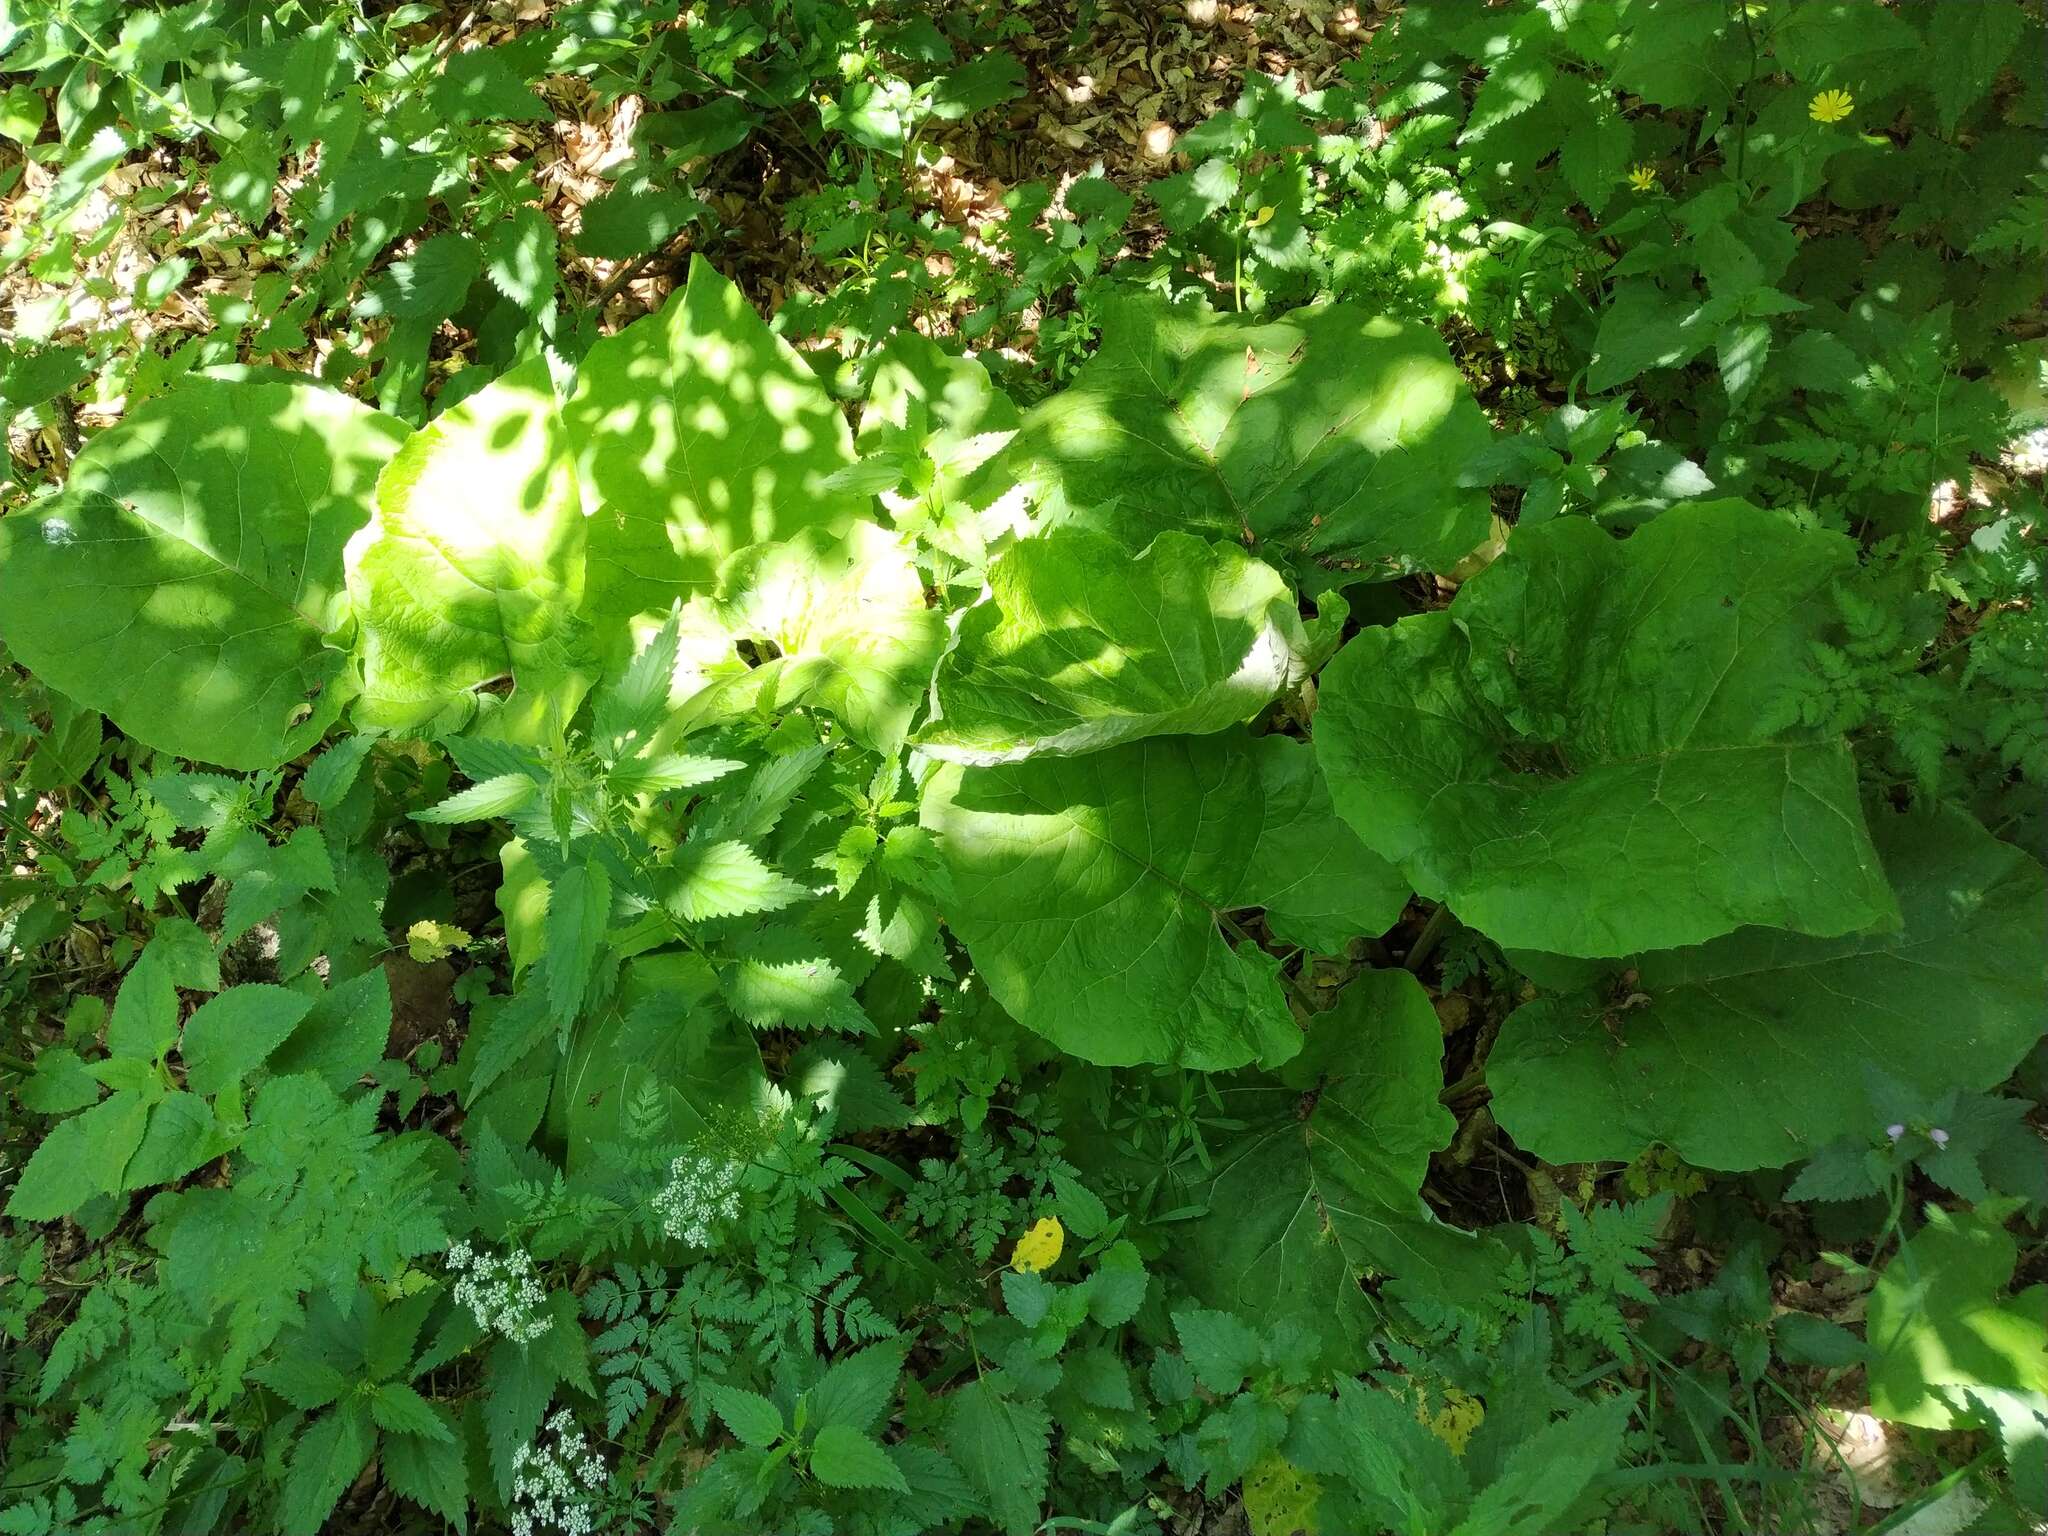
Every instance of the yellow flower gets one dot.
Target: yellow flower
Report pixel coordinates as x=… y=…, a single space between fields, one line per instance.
x=1040 y=1247
x=1830 y=106
x=1643 y=178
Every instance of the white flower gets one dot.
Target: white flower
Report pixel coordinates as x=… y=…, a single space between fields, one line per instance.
x=504 y=1295
x=702 y=1194
x=545 y=1495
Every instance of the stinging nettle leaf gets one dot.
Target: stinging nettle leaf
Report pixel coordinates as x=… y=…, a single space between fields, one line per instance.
x=752 y=1418
x=497 y=796
x=578 y=910
x=230 y=1034
x=843 y=1457
x=727 y=879
x=1079 y=646
x=83 y=1156
x=1578 y=755
x=1000 y=1443
x=184 y=581
x=671 y=770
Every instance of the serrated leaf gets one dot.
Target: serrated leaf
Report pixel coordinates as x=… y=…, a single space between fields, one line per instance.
x=671 y=770
x=635 y=217
x=429 y=940
x=494 y=797
x=858 y=1390
x=484 y=85
x=843 y=1457
x=401 y=1410
x=519 y=258
x=305 y=1383
x=342 y=1037
x=428 y=285
x=144 y=1020
x=429 y=1471
x=1220 y=1346
x=752 y=1418
x=83 y=1156
x=631 y=706
x=1000 y=1443
x=1117 y=1288
x=329 y=1456
x=331 y=775
x=522 y=1385
x=514 y=1030
x=182 y=1134
x=785 y=980
x=1546 y=1473
x=230 y=1034
x=579 y=909
x=725 y=879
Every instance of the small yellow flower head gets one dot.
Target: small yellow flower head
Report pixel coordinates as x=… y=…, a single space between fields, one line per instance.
x=1643 y=178
x=1830 y=106
x=1039 y=1248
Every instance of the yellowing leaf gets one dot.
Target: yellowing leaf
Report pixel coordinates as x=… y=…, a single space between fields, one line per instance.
x=427 y=941
x=1280 y=1499
x=1263 y=216
x=1454 y=1422
x=1039 y=1248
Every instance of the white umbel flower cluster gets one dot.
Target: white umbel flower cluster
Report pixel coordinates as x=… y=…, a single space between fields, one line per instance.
x=555 y=1481
x=702 y=1194
x=502 y=1293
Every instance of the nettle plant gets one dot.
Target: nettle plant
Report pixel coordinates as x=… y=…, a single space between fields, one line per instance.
x=798 y=735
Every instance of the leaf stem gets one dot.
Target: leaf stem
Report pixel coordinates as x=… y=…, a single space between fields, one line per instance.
x=1427 y=941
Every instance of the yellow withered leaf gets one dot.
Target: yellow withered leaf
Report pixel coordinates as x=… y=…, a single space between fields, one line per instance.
x=427 y=941
x=1039 y=1248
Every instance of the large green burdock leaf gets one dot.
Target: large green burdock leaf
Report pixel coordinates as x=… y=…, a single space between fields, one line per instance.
x=1079 y=647
x=1324 y=1182
x=183 y=581
x=472 y=568
x=843 y=622
x=1331 y=434
x=702 y=432
x=1579 y=755
x=1954 y=1350
x=1091 y=892
x=1742 y=1053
